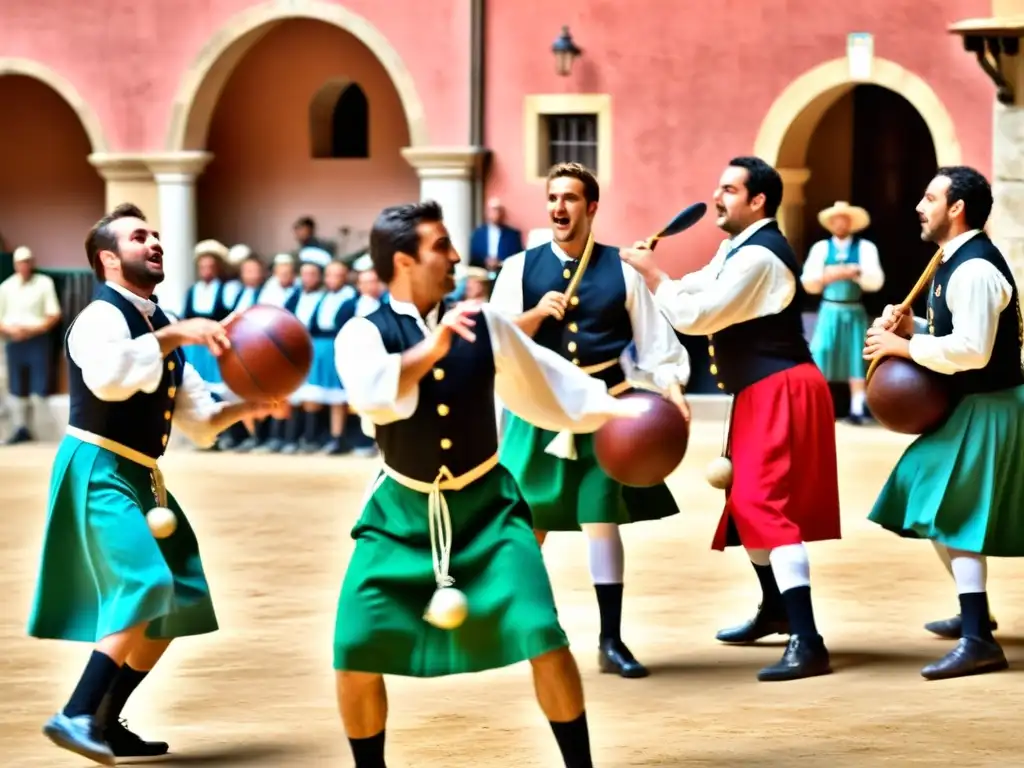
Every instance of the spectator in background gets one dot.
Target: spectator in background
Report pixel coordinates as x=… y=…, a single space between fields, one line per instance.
x=279 y=288
x=305 y=237
x=478 y=284
x=494 y=241
x=237 y=254
x=29 y=309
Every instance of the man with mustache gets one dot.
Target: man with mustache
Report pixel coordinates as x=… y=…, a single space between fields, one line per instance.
x=960 y=485
x=443 y=514
x=610 y=311
x=784 y=489
x=104 y=578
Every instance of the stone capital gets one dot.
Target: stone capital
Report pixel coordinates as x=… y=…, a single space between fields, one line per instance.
x=182 y=166
x=445 y=162
x=116 y=166
x=145 y=166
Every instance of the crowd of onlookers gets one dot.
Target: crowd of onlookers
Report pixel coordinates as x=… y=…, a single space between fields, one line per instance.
x=323 y=288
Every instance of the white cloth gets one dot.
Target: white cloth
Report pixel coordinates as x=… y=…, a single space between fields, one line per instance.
x=204 y=296
x=28 y=303
x=276 y=294
x=870 y=279
x=493 y=238
x=753 y=283
x=535 y=383
x=115 y=366
x=661 y=359
x=976 y=294
x=306 y=306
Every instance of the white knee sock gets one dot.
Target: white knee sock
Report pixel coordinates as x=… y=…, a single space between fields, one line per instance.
x=19 y=412
x=857 y=403
x=759 y=556
x=970 y=571
x=791 y=567
x=607 y=555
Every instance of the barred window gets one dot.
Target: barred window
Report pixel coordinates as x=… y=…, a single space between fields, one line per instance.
x=571 y=139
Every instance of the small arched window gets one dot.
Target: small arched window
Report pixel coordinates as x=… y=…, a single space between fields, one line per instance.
x=339 y=122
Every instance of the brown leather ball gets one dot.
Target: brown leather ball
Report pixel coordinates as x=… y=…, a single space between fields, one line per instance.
x=906 y=397
x=270 y=356
x=643 y=451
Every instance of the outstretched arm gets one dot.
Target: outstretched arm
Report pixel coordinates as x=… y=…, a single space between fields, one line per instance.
x=662 y=360
x=545 y=389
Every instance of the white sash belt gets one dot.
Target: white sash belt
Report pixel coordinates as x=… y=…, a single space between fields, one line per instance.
x=156 y=476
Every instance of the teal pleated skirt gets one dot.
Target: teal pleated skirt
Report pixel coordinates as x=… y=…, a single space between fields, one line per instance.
x=101 y=570
x=838 y=342
x=963 y=484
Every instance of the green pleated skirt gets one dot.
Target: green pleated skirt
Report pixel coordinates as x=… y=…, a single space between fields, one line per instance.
x=101 y=570
x=963 y=485
x=563 y=494
x=495 y=561
x=838 y=342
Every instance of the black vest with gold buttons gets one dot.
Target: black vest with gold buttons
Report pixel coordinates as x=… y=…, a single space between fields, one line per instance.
x=143 y=421
x=747 y=352
x=596 y=328
x=1003 y=370
x=454 y=424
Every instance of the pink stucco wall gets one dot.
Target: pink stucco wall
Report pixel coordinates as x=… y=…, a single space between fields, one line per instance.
x=49 y=194
x=127 y=58
x=690 y=88
x=262 y=176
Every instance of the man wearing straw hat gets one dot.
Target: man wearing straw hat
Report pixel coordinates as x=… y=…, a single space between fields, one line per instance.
x=576 y=297
x=104 y=577
x=477 y=596
x=841 y=269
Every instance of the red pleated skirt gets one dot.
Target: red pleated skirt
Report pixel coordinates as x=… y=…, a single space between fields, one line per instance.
x=785 y=487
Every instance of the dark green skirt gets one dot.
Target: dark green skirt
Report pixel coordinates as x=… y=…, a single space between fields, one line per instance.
x=495 y=561
x=102 y=572
x=963 y=485
x=563 y=494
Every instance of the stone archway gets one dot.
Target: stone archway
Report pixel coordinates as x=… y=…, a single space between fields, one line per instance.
x=42 y=73
x=202 y=83
x=786 y=130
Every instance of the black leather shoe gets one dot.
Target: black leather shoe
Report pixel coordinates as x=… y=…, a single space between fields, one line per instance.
x=804 y=657
x=124 y=743
x=80 y=735
x=952 y=629
x=613 y=657
x=972 y=656
x=769 y=620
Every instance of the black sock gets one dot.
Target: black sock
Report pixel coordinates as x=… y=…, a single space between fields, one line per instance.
x=99 y=676
x=770 y=596
x=974 y=616
x=800 y=611
x=124 y=686
x=574 y=741
x=369 y=753
x=609 y=603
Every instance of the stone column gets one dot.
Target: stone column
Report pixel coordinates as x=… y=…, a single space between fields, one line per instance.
x=175 y=174
x=791 y=212
x=446 y=175
x=129 y=180
x=1006 y=226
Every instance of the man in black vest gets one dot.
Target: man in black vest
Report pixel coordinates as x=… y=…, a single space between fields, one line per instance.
x=610 y=310
x=961 y=485
x=104 y=577
x=444 y=517
x=785 y=488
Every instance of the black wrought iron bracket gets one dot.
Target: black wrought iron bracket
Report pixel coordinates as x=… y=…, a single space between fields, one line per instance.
x=992 y=53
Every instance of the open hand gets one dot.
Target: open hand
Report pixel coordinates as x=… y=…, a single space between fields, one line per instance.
x=200 y=330
x=883 y=343
x=275 y=409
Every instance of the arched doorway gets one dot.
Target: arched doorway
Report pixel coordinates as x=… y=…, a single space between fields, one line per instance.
x=49 y=193
x=305 y=110
x=872 y=148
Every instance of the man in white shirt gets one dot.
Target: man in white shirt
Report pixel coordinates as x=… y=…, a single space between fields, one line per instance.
x=29 y=309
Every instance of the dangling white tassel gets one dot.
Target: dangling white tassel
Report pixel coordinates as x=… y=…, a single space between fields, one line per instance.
x=448 y=607
x=719 y=471
x=563 y=446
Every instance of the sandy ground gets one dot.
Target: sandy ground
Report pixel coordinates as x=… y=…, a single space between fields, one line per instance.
x=274 y=534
